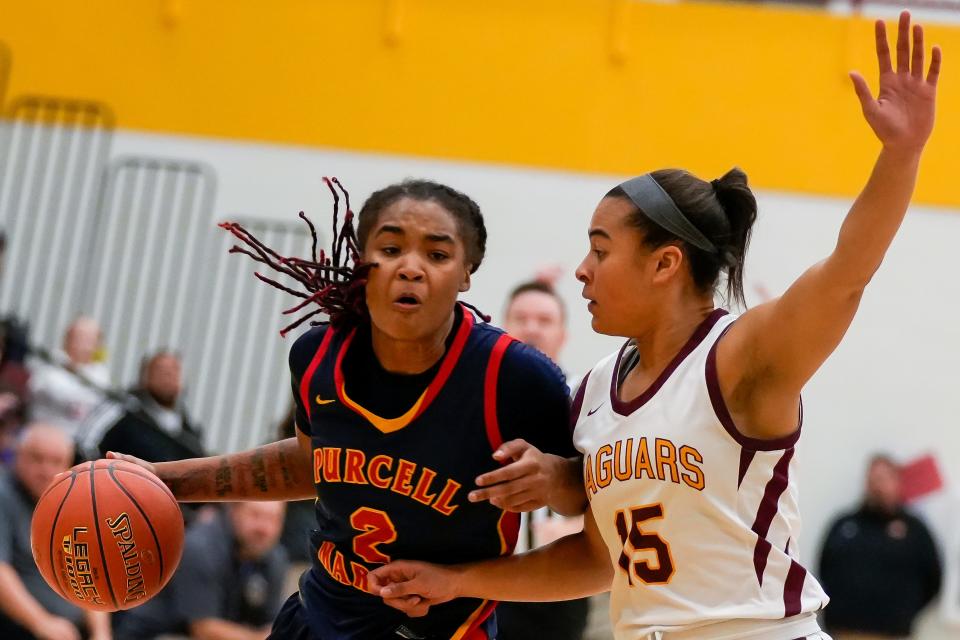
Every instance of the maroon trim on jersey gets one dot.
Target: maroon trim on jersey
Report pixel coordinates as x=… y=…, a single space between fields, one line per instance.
x=577 y=405
x=308 y=374
x=625 y=408
x=746 y=457
x=433 y=389
x=769 y=506
x=723 y=414
x=793 y=589
x=490 y=391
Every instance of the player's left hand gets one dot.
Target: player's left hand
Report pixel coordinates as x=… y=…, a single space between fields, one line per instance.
x=525 y=481
x=413 y=587
x=902 y=114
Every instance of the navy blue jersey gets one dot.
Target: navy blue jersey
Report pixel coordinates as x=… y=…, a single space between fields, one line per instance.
x=393 y=483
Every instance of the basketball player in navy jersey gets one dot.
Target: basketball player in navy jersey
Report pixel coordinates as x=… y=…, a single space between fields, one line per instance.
x=403 y=400
x=689 y=431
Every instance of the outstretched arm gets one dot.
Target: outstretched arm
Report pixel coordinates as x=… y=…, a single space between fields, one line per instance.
x=572 y=567
x=277 y=471
x=775 y=348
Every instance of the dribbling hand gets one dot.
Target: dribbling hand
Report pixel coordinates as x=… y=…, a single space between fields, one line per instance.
x=112 y=455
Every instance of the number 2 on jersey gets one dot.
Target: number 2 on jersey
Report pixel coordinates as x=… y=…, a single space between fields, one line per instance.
x=377 y=529
x=635 y=539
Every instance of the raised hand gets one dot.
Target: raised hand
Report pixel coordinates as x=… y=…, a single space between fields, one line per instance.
x=902 y=114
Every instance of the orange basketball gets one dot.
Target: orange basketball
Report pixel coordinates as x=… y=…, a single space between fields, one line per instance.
x=107 y=535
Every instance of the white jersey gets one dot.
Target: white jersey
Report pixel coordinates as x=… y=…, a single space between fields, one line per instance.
x=700 y=521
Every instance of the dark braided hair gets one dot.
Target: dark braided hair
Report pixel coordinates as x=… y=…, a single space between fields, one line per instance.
x=336 y=282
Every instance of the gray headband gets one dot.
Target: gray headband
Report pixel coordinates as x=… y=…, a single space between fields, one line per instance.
x=654 y=202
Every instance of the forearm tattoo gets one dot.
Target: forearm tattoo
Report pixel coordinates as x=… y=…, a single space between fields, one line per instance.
x=272 y=470
x=258 y=468
x=223 y=480
x=285 y=470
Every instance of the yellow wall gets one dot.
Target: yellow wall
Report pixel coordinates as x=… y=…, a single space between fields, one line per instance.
x=589 y=85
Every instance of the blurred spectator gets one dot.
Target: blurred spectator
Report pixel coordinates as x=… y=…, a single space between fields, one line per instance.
x=13 y=354
x=13 y=415
x=14 y=384
x=151 y=423
x=229 y=583
x=66 y=390
x=950 y=601
x=535 y=314
x=879 y=564
x=29 y=608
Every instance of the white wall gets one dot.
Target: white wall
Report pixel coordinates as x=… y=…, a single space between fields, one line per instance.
x=891 y=386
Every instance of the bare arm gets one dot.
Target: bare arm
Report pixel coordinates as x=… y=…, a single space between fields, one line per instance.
x=277 y=471
x=775 y=348
x=568 y=497
x=217 y=629
x=21 y=607
x=572 y=567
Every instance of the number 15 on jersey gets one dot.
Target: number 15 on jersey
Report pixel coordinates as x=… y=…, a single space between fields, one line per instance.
x=638 y=546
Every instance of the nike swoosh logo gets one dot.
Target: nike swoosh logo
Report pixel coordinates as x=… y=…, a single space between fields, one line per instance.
x=322 y=401
x=593 y=411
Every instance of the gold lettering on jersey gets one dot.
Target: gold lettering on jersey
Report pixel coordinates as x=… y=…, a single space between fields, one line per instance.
x=641 y=459
x=76 y=563
x=317 y=465
x=401 y=480
x=335 y=565
x=624 y=471
x=123 y=536
x=333 y=464
x=373 y=471
x=666 y=460
x=691 y=461
x=420 y=494
x=604 y=466
x=643 y=467
x=588 y=482
x=359 y=575
x=353 y=467
x=443 y=503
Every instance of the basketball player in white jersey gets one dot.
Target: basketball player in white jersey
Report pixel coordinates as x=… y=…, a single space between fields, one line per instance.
x=688 y=432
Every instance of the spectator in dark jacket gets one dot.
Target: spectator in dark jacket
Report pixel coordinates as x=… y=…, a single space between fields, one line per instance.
x=879 y=564
x=151 y=423
x=14 y=384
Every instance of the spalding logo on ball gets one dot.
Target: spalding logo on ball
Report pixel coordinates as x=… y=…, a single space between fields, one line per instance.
x=107 y=535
